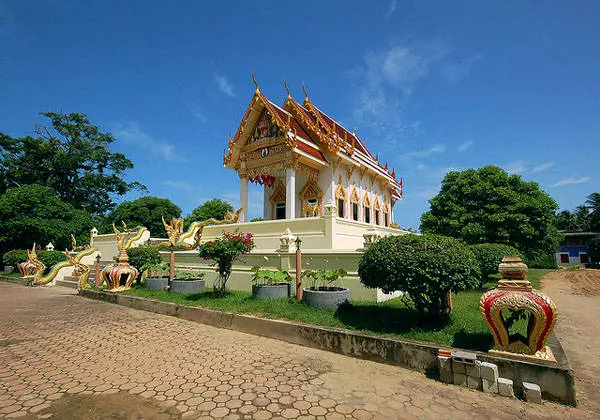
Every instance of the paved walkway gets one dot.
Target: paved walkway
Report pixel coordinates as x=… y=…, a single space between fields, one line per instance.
x=70 y=357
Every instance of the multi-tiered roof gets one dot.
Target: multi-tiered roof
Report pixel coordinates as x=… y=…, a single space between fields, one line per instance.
x=311 y=133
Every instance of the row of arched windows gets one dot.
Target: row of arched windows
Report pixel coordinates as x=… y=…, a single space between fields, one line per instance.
x=351 y=208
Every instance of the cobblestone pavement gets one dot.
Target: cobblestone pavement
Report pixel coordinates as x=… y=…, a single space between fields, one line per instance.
x=53 y=344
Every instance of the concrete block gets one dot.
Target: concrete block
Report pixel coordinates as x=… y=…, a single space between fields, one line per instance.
x=505 y=387
x=532 y=393
x=459 y=379
x=474 y=370
x=474 y=382
x=464 y=357
x=459 y=367
x=489 y=371
x=445 y=366
x=491 y=387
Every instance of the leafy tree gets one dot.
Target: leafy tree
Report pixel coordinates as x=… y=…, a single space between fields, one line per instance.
x=488 y=205
x=565 y=220
x=594 y=252
x=427 y=267
x=72 y=157
x=593 y=204
x=215 y=209
x=582 y=218
x=145 y=211
x=34 y=213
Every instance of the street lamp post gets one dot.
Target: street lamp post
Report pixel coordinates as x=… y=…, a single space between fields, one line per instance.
x=298 y=269
x=98 y=280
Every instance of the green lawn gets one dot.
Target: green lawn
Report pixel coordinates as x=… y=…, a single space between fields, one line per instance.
x=13 y=274
x=465 y=328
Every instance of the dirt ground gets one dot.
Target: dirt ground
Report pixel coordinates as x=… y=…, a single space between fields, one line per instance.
x=577 y=296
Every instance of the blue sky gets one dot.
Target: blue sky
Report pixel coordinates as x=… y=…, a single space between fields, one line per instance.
x=431 y=86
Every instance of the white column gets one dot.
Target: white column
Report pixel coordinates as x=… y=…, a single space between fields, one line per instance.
x=290 y=193
x=244 y=198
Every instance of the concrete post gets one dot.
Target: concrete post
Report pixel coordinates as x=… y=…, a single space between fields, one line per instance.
x=244 y=198
x=290 y=193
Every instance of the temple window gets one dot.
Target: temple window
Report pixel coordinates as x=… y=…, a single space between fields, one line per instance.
x=278 y=200
x=341 y=198
x=311 y=198
x=280 y=211
x=355 y=200
x=377 y=208
x=367 y=208
x=386 y=215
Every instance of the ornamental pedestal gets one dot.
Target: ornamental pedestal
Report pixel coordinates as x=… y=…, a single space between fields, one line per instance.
x=512 y=303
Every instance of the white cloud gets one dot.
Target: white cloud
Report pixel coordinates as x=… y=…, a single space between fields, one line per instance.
x=133 y=133
x=456 y=70
x=465 y=145
x=571 y=181
x=437 y=149
x=391 y=10
x=387 y=78
x=541 y=168
x=182 y=185
x=196 y=111
x=517 y=167
x=424 y=193
x=421 y=167
x=224 y=86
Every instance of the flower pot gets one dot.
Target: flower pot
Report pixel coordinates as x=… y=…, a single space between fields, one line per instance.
x=325 y=296
x=187 y=286
x=157 y=283
x=8 y=268
x=271 y=291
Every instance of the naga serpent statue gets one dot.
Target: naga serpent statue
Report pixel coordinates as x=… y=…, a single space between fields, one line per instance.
x=120 y=275
x=177 y=239
x=40 y=279
x=27 y=268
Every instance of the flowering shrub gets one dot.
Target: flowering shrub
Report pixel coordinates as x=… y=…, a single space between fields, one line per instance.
x=224 y=251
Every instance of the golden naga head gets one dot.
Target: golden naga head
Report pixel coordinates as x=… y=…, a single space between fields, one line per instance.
x=233 y=217
x=174 y=229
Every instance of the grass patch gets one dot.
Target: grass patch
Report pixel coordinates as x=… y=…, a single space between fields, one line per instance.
x=13 y=274
x=464 y=327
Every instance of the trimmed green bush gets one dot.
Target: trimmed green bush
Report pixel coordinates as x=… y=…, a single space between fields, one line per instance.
x=489 y=256
x=14 y=257
x=542 y=261
x=143 y=255
x=427 y=267
x=594 y=252
x=50 y=258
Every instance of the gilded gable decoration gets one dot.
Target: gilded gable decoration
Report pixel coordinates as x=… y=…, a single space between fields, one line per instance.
x=376 y=204
x=278 y=195
x=340 y=191
x=366 y=200
x=354 y=198
x=312 y=199
x=265 y=129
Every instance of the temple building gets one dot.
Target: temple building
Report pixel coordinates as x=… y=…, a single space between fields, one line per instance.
x=309 y=165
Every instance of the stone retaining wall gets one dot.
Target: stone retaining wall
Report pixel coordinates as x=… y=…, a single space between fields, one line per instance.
x=556 y=380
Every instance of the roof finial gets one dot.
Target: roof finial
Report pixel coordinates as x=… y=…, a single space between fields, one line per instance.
x=254 y=80
x=287 y=88
x=304 y=90
x=354 y=131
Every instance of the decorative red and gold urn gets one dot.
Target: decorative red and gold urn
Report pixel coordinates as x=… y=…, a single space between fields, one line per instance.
x=514 y=301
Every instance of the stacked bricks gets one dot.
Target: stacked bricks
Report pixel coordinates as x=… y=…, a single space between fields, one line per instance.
x=463 y=369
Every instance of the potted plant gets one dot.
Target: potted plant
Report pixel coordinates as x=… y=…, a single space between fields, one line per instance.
x=270 y=284
x=224 y=251
x=157 y=276
x=187 y=281
x=324 y=291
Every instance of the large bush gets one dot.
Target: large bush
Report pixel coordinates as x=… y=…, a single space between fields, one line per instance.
x=489 y=256
x=14 y=257
x=594 y=252
x=50 y=258
x=426 y=267
x=142 y=255
x=543 y=260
